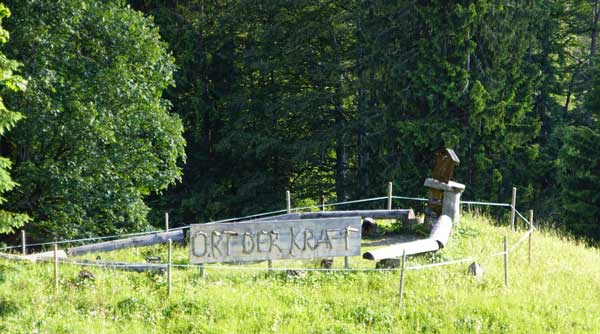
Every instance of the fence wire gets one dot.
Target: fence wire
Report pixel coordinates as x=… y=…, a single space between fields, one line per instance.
x=164 y=266
x=119 y=236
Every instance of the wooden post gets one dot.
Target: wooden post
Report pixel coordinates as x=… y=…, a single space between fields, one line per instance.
x=346 y=262
x=288 y=201
x=402 y=276
x=170 y=262
x=505 y=261
x=513 y=209
x=56 y=267
x=202 y=271
x=530 y=233
x=166 y=222
x=389 y=201
x=23 y=243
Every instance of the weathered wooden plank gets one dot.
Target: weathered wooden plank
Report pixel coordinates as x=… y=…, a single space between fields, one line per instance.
x=274 y=240
x=404 y=214
x=139 y=241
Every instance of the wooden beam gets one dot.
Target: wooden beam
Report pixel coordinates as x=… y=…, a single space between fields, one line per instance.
x=408 y=248
x=437 y=239
x=14 y=257
x=403 y=214
x=126 y=266
x=35 y=257
x=144 y=240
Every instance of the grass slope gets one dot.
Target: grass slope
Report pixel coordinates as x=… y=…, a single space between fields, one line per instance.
x=558 y=293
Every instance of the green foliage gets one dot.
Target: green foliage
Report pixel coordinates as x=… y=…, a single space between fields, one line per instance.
x=98 y=137
x=263 y=102
x=337 y=98
x=329 y=99
x=463 y=82
x=8 y=82
x=580 y=169
x=580 y=180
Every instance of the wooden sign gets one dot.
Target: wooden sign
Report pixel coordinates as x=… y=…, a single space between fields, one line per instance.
x=275 y=240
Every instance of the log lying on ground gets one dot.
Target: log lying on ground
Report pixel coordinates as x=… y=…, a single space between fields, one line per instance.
x=406 y=215
x=411 y=247
x=437 y=239
x=14 y=257
x=35 y=257
x=144 y=240
x=47 y=256
x=126 y=266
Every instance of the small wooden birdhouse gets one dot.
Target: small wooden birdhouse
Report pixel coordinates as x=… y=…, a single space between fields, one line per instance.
x=445 y=160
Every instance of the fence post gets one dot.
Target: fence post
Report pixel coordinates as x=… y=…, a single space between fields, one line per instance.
x=389 y=201
x=347 y=258
x=505 y=261
x=23 y=243
x=202 y=271
x=530 y=233
x=513 y=209
x=169 y=265
x=55 y=267
x=166 y=222
x=402 y=275
x=288 y=206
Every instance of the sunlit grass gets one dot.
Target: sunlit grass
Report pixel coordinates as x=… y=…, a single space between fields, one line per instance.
x=557 y=293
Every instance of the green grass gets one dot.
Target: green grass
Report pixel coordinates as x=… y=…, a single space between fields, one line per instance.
x=558 y=293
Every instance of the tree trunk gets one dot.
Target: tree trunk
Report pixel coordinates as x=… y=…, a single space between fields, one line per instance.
x=363 y=153
x=341 y=165
x=596 y=16
x=341 y=155
x=570 y=91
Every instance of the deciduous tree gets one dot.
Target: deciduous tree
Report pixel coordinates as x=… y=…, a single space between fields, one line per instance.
x=98 y=136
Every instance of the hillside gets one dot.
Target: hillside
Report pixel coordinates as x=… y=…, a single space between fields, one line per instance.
x=557 y=293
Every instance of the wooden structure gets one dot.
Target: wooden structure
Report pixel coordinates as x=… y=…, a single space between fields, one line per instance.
x=406 y=215
x=275 y=240
x=437 y=240
x=35 y=257
x=445 y=161
x=443 y=208
x=139 y=241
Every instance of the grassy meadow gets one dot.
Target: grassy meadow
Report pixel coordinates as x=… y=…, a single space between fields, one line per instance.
x=559 y=292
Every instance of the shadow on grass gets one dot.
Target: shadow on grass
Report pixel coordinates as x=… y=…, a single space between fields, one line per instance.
x=7 y=308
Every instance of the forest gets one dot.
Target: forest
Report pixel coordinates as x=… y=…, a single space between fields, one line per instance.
x=114 y=112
